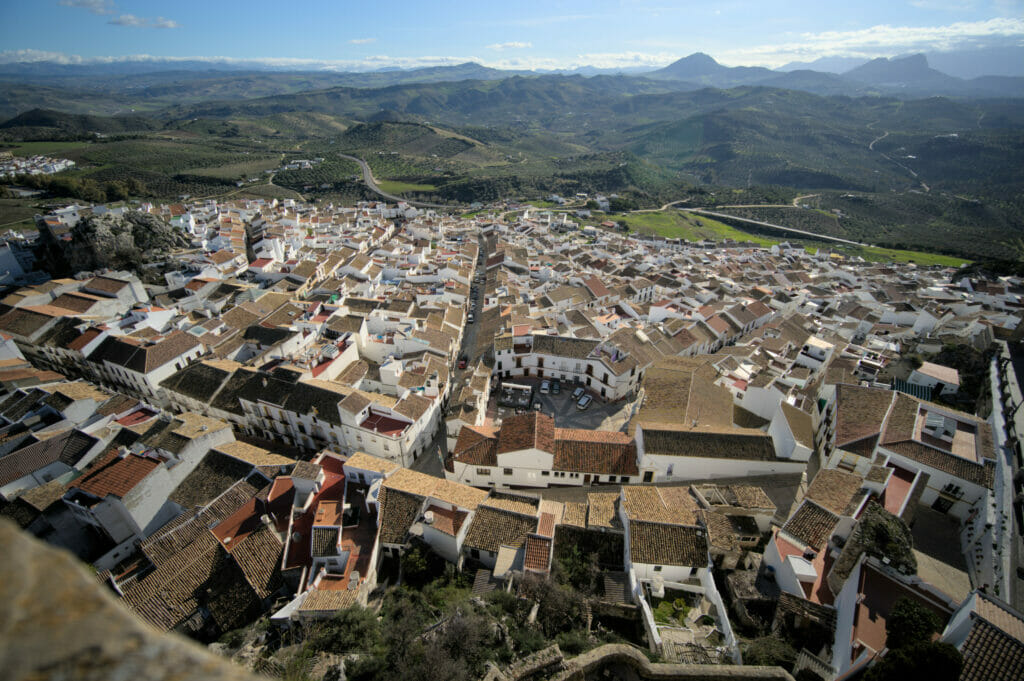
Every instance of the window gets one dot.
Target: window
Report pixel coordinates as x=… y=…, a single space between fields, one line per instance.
x=624 y=478
x=657 y=568
x=508 y=471
x=648 y=476
x=545 y=473
x=475 y=553
x=483 y=471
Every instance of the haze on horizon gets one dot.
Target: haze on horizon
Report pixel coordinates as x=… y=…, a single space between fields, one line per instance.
x=528 y=35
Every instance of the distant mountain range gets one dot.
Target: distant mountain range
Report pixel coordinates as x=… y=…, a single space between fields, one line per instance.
x=961 y=73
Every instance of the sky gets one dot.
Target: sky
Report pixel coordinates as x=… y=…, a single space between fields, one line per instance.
x=527 y=34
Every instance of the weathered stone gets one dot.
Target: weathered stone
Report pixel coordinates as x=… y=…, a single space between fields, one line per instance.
x=113 y=242
x=58 y=623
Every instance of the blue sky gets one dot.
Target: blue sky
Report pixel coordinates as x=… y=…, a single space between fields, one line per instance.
x=520 y=34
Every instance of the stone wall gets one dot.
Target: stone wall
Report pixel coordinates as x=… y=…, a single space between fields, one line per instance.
x=577 y=668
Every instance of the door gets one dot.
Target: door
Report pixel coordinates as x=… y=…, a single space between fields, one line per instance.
x=586 y=479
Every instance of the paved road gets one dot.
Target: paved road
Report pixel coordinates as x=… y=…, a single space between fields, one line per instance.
x=372 y=184
x=792 y=230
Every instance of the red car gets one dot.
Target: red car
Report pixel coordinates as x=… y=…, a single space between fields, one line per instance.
x=463 y=360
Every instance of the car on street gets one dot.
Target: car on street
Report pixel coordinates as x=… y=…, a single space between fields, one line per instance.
x=584 y=402
x=536 y=406
x=471 y=318
x=545 y=387
x=578 y=393
x=463 y=361
x=556 y=387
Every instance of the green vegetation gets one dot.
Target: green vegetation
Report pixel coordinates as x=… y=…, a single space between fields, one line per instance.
x=395 y=187
x=912 y=656
x=54 y=149
x=675 y=224
x=945 y=179
x=876 y=254
x=769 y=651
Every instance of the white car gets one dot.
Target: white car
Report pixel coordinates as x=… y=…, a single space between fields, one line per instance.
x=584 y=402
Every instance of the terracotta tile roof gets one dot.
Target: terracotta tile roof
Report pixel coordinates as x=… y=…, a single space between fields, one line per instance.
x=67 y=448
x=990 y=653
x=661 y=544
x=476 y=447
x=200 y=575
x=214 y=474
x=411 y=482
x=749 y=496
x=860 y=412
x=325 y=541
x=601 y=452
x=720 y=531
x=368 y=462
x=601 y=510
x=185 y=528
x=492 y=528
x=538 y=554
x=398 y=511
x=811 y=524
x=118 y=476
x=257 y=456
x=517 y=503
x=527 y=431
x=328 y=600
x=259 y=556
x=673 y=440
x=575 y=514
x=998 y=614
x=980 y=474
x=659 y=504
x=835 y=490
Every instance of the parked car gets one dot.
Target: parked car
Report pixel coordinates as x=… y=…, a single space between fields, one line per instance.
x=556 y=387
x=471 y=318
x=545 y=387
x=584 y=402
x=578 y=393
x=536 y=406
x=463 y=361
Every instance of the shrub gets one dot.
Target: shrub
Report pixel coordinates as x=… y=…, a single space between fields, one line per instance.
x=769 y=651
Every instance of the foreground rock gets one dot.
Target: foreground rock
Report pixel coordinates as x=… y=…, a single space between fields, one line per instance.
x=58 y=623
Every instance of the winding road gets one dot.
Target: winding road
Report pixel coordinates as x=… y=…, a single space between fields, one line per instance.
x=372 y=184
x=792 y=230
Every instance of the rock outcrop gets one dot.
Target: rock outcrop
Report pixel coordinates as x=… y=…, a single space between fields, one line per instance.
x=57 y=622
x=100 y=242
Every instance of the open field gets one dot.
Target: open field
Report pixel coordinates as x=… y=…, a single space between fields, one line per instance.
x=396 y=187
x=876 y=254
x=673 y=224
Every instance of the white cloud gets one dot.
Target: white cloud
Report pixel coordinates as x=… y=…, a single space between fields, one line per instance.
x=128 y=20
x=142 y=22
x=362 y=41
x=94 y=6
x=882 y=41
x=512 y=45
x=161 y=22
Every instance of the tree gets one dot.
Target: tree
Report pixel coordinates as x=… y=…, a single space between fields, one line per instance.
x=769 y=651
x=909 y=623
x=350 y=630
x=932 y=661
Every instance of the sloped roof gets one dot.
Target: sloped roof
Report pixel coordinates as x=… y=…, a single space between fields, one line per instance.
x=117 y=476
x=492 y=528
x=663 y=544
